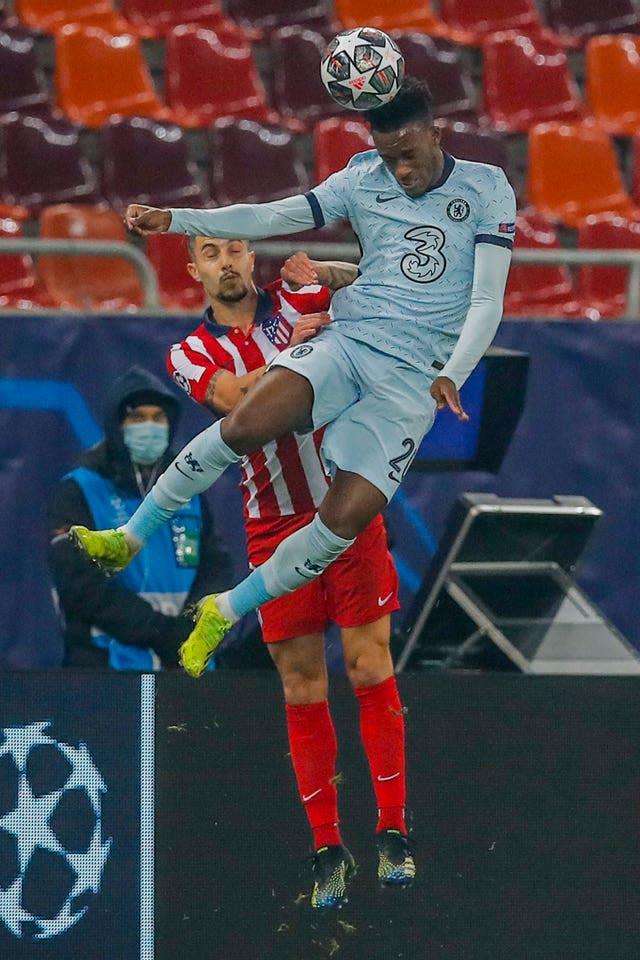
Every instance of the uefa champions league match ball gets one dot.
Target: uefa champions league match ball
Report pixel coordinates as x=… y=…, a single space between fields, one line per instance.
x=362 y=68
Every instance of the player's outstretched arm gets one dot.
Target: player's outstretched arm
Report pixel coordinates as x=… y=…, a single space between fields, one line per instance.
x=147 y=220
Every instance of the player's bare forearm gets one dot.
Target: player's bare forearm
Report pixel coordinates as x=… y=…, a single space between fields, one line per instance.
x=446 y=394
x=147 y=220
x=299 y=271
x=225 y=390
x=335 y=273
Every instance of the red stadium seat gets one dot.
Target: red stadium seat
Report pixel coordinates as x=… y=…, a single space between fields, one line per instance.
x=538 y=290
x=41 y=162
x=613 y=82
x=406 y=15
x=146 y=161
x=449 y=78
x=23 y=86
x=207 y=77
x=605 y=287
x=87 y=282
x=479 y=19
x=168 y=255
x=580 y=19
x=50 y=15
x=18 y=285
x=335 y=141
x=98 y=75
x=573 y=172
x=545 y=89
x=152 y=19
x=253 y=163
x=299 y=93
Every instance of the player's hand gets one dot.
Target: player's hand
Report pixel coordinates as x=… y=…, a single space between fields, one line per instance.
x=307 y=327
x=146 y=220
x=446 y=394
x=298 y=271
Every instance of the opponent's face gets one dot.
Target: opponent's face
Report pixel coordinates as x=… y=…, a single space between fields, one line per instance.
x=412 y=155
x=224 y=267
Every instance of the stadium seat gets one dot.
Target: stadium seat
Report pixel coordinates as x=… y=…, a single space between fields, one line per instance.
x=154 y=19
x=18 y=284
x=538 y=290
x=168 y=255
x=405 y=15
x=573 y=172
x=479 y=19
x=41 y=162
x=635 y=170
x=87 y=282
x=147 y=161
x=23 y=86
x=580 y=19
x=268 y=15
x=49 y=15
x=299 y=93
x=613 y=82
x=335 y=141
x=98 y=75
x=605 y=287
x=207 y=77
x=11 y=211
x=253 y=163
x=448 y=76
x=545 y=89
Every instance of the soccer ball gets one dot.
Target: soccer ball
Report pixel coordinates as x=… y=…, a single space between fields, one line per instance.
x=53 y=851
x=362 y=68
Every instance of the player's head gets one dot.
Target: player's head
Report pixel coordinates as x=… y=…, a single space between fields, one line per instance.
x=223 y=267
x=406 y=138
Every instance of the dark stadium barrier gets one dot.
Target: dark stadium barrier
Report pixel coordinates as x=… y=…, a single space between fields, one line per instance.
x=522 y=807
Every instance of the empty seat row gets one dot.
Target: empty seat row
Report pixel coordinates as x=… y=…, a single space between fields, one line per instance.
x=77 y=283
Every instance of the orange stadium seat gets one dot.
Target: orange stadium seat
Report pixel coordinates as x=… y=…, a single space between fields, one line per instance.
x=98 y=75
x=613 y=82
x=538 y=289
x=480 y=19
x=147 y=161
x=605 y=287
x=400 y=15
x=449 y=78
x=299 y=93
x=18 y=284
x=579 y=19
x=155 y=18
x=50 y=15
x=87 y=282
x=545 y=89
x=252 y=163
x=573 y=172
x=207 y=77
x=41 y=162
x=335 y=141
x=168 y=256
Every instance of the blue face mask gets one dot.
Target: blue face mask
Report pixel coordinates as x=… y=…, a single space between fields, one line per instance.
x=146 y=442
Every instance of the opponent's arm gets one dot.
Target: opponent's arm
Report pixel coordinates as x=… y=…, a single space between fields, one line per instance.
x=225 y=389
x=251 y=221
x=489 y=280
x=299 y=271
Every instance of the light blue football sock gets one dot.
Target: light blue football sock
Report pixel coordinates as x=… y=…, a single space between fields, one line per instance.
x=301 y=557
x=195 y=469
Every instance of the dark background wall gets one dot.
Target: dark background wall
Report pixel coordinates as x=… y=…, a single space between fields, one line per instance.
x=578 y=435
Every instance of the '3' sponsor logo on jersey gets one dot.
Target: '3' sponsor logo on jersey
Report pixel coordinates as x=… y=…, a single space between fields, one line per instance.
x=428 y=262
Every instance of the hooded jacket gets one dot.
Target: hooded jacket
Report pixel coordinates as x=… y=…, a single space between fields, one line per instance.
x=89 y=598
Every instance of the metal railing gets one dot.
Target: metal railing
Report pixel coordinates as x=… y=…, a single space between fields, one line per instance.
x=103 y=248
x=325 y=251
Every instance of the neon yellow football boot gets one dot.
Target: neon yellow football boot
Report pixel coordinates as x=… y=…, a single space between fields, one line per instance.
x=210 y=628
x=108 y=548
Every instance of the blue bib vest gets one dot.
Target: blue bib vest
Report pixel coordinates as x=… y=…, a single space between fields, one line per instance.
x=162 y=573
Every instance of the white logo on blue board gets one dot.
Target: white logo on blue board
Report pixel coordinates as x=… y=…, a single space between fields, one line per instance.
x=44 y=856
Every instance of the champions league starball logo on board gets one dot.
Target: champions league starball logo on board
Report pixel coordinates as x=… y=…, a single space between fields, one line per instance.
x=52 y=855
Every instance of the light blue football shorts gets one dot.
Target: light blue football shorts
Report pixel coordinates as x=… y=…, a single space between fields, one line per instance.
x=378 y=407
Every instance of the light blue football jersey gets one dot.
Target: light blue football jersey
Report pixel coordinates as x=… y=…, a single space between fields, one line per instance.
x=416 y=271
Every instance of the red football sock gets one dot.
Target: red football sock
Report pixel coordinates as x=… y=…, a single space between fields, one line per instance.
x=382 y=731
x=313 y=745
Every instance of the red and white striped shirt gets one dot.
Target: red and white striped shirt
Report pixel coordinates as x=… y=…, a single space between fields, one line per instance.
x=285 y=476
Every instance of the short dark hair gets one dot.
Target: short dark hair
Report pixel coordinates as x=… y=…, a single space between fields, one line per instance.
x=412 y=103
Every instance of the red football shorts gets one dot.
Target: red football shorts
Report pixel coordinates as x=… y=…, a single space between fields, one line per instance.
x=359 y=587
